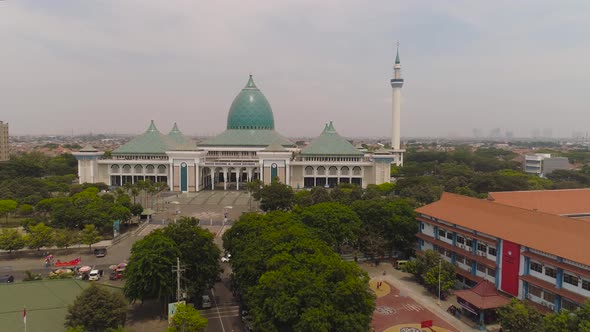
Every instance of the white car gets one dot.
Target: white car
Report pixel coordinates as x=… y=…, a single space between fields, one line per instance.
x=94 y=275
x=225 y=258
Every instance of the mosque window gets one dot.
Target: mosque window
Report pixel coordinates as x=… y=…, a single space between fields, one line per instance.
x=333 y=170
x=356 y=171
x=308 y=170
x=321 y=170
x=344 y=170
x=138 y=169
x=149 y=169
x=127 y=169
x=115 y=169
x=162 y=169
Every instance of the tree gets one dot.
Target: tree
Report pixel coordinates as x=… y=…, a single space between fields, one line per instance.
x=7 y=206
x=519 y=316
x=426 y=270
x=136 y=209
x=11 y=239
x=319 y=195
x=97 y=309
x=89 y=235
x=198 y=253
x=275 y=196
x=39 y=236
x=187 y=319
x=64 y=238
x=335 y=223
x=149 y=272
x=563 y=321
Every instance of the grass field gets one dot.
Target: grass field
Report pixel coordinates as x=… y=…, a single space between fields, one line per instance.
x=46 y=301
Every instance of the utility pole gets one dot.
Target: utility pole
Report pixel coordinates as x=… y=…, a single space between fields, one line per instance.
x=178 y=271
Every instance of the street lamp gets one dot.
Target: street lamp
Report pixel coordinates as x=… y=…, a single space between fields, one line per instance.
x=439 y=268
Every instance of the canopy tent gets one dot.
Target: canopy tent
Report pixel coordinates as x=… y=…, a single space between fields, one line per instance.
x=68 y=263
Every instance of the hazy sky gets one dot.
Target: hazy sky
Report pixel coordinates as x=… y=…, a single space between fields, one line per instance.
x=111 y=66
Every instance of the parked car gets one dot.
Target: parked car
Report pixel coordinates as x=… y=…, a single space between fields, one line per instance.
x=6 y=279
x=116 y=275
x=100 y=252
x=205 y=302
x=94 y=275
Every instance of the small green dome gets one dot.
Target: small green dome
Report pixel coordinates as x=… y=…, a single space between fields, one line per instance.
x=250 y=110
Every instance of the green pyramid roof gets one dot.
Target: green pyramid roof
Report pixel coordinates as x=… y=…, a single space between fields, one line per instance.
x=250 y=110
x=181 y=141
x=151 y=142
x=248 y=137
x=330 y=143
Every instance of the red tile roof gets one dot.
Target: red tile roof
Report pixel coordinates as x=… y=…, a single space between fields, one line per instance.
x=484 y=296
x=560 y=202
x=560 y=236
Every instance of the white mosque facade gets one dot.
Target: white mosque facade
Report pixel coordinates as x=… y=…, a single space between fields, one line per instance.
x=250 y=148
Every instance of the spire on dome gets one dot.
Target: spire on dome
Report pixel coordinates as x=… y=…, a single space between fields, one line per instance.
x=250 y=84
x=397 y=55
x=175 y=129
x=152 y=127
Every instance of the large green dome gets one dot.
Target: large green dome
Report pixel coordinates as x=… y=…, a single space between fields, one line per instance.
x=250 y=110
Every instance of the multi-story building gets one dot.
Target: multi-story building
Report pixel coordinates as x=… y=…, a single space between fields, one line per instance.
x=542 y=164
x=4 y=153
x=524 y=252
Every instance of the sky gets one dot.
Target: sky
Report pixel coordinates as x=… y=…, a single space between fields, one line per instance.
x=111 y=66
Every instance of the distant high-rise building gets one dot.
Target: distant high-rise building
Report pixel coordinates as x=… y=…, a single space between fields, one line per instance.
x=4 y=155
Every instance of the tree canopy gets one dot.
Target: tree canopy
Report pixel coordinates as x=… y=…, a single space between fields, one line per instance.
x=97 y=309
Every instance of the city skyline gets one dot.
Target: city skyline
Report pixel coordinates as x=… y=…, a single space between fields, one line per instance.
x=110 y=67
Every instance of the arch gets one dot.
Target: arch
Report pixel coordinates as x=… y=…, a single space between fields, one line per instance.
x=127 y=169
x=115 y=169
x=333 y=170
x=161 y=169
x=356 y=171
x=344 y=170
x=137 y=169
x=308 y=170
x=321 y=170
x=149 y=169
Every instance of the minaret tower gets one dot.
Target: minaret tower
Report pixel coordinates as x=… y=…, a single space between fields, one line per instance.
x=396 y=87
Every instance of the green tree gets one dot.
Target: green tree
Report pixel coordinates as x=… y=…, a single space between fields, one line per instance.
x=302 y=198
x=519 y=316
x=335 y=223
x=39 y=236
x=275 y=196
x=64 y=238
x=320 y=195
x=198 y=253
x=7 y=206
x=11 y=239
x=426 y=270
x=149 y=272
x=97 y=309
x=563 y=321
x=187 y=319
x=89 y=235
x=136 y=209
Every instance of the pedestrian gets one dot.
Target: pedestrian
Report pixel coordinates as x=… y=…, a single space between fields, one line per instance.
x=378 y=284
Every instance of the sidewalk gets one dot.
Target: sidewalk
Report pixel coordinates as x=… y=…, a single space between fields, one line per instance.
x=416 y=292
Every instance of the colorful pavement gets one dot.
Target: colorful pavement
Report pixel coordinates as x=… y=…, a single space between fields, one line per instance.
x=396 y=312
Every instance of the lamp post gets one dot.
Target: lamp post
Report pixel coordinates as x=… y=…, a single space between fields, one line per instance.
x=439 y=268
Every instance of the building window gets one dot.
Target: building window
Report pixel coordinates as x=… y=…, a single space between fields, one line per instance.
x=534 y=266
x=481 y=268
x=460 y=259
x=460 y=239
x=308 y=170
x=568 y=305
x=549 y=297
x=421 y=225
x=344 y=170
x=549 y=271
x=468 y=261
x=491 y=272
x=492 y=251
x=570 y=279
x=448 y=253
x=321 y=170
x=449 y=235
x=586 y=284
x=534 y=290
x=441 y=233
x=469 y=242
x=482 y=247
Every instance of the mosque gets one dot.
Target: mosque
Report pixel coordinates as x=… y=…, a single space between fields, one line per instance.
x=249 y=149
